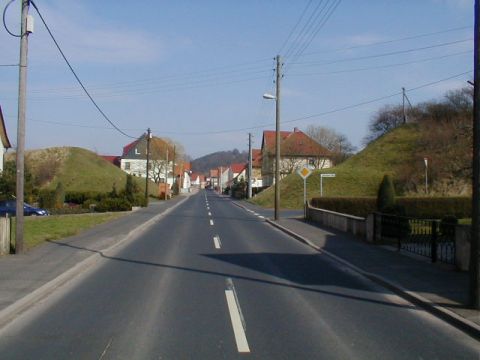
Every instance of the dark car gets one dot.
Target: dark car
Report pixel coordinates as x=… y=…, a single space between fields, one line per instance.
x=10 y=207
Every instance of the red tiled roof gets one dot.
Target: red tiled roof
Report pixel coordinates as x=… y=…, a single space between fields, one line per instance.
x=237 y=168
x=129 y=147
x=295 y=143
x=214 y=173
x=115 y=160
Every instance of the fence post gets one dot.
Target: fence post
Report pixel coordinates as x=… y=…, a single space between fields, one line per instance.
x=434 y=241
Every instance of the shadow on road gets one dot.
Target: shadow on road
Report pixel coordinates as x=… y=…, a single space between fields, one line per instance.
x=293 y=268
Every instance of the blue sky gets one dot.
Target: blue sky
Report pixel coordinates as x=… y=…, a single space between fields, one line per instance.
x=195 y=71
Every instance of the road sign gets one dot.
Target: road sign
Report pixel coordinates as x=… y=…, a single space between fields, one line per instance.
x=321 y=181
x=304 y=172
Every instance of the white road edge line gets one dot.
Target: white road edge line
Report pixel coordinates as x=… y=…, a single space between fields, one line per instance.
x=261 y=217
x=211 y=222
x=238 y=331
x=217 y=242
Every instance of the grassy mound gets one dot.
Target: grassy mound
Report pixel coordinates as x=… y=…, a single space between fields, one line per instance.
x=77 y=169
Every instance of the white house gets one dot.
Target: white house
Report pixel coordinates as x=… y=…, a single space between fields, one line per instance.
x=4 y=138
x=134 y=160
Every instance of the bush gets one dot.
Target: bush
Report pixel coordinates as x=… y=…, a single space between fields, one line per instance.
x=421 y=208
x=59 y=196
x=357 y=206
x=386 y=194
x=46 y=199
x=437 y=207
x=110 y=204
x=79 y=197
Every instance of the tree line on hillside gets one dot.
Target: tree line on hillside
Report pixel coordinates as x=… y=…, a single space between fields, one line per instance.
x=217 y=159
x=445 y=139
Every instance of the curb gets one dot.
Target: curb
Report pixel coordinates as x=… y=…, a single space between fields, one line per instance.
x=23 y=304
x=449 y=316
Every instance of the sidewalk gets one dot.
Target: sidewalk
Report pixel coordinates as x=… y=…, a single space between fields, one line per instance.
x=438 y=288
x=26 y=278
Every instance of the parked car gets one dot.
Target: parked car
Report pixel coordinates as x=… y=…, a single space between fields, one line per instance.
x=10 y=207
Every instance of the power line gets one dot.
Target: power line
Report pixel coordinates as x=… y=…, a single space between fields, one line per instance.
x=411 y=37
x=154 y=90
x=76 y=76
x=306 y=117
x=384 y=66
x=300 y=38
x=329 y=62
x=295 y=27
x=321 y=24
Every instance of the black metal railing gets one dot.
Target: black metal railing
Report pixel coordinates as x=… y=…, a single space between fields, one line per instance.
x=424 y=237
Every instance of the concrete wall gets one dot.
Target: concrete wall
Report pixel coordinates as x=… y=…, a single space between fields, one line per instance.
x=352 y=224
x=4 y=235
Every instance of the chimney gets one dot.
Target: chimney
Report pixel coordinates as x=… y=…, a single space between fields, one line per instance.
x=295 y=129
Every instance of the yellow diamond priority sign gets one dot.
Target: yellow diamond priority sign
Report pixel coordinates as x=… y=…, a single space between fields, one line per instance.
x=304 y=172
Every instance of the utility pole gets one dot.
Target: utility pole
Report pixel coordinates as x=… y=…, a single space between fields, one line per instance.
x=22 y=102
x=277 y=139
x=403 y=106
x=149 y=135
x=249 y=196
x=475 y=236
x=166 y=175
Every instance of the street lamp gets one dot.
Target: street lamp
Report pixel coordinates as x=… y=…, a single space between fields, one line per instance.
x=276 y=97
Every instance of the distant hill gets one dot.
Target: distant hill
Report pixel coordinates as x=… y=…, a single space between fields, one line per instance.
x=217 y=159
x=398 y=153
x=76 y=168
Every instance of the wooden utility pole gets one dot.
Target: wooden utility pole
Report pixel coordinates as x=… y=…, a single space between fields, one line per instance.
x=22 y=102
x=277 y=139
x=403 y=106
x=149 y=135
x=475 y=236
x=249 y=195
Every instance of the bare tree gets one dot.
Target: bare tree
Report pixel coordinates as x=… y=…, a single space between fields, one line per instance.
x=385 y=120
x=337 y=143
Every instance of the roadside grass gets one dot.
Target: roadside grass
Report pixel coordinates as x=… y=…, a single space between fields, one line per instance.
x=40 y=229
x=358 y=176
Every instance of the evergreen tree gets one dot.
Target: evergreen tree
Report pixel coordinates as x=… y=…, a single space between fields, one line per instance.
x=386 y=194
x=59 y=196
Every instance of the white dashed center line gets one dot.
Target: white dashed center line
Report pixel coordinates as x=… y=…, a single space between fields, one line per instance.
x=217 y=242
x=211 y=222
x=236 y=317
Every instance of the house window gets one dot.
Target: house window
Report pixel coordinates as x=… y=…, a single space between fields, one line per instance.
x=127 y=165
x=311 y=162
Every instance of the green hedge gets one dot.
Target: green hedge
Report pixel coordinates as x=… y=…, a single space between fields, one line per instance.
x=79 y=197
x=418 y=207
x=357 y=206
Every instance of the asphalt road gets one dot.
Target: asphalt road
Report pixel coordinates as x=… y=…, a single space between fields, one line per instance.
x=212 y=281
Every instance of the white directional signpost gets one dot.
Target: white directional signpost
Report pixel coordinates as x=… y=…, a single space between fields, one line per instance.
x=304 y=173
x=321 y=181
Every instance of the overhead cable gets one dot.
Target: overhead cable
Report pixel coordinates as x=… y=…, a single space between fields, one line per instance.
x=77 y=78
